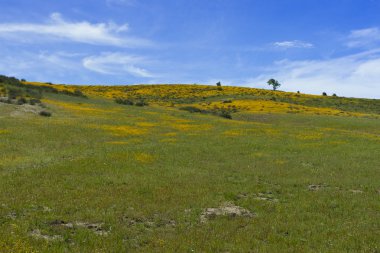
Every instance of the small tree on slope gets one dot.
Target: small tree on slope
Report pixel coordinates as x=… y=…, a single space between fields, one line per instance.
x=274 y=83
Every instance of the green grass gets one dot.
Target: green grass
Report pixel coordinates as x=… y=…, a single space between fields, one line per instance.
x=149 y=190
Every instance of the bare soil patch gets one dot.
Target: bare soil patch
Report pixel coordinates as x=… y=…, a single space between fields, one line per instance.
x=228 y=210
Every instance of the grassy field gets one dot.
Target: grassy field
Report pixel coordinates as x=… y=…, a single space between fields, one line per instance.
x=300 y=172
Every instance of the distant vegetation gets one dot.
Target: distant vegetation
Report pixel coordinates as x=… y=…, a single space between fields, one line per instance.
x=16 y=87
x=13 y=91
x=124 y=101
x=184 y=95
x=222 y=112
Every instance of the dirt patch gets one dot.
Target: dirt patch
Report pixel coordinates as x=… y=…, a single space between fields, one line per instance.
x=356 y=191
x=264 y=196
x=26 y=109
x=227 y=210
x=38 y=235
x=154 y=222
x=11 y=215
x=96 y=228
x=316 y=187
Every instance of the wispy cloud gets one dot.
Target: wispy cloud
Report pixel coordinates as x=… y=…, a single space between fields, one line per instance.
x=42 y=65
x=117 y=64
x=364 y=37
x=293 y=44
x=84 y=32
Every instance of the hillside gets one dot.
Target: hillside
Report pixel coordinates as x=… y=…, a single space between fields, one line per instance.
x=186 y=168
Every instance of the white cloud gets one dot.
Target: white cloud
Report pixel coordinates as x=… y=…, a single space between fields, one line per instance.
x=293 y=44
x=354 y=75
x=43 y=66
x=364 y=37
x=117 y=64
x=83 y=32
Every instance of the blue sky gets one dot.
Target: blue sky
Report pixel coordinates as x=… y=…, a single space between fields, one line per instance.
x=313 y=46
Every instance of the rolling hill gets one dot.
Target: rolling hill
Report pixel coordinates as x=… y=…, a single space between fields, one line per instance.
x=186 y=168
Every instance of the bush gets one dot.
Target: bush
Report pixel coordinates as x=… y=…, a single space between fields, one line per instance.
x=227 y=101
x=141 y=103
x=36 y=93
x=5 y=100
x=334 y=95
x=79 y=93
x=10 y=80
x=123 y=101
x=3 y=92
x=34 y=101
x=225 y=114
x=21 y=101
x=45 y=113
x=76 y=93
x=324 y=94
x=191 y=109
x=13 y=93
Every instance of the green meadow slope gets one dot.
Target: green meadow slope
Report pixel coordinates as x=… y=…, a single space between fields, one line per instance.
x=189 y=169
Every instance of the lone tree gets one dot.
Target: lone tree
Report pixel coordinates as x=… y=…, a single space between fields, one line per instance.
x=219 y=86
x=274 y=83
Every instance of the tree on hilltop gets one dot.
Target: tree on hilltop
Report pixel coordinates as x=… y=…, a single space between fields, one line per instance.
x=274 y=83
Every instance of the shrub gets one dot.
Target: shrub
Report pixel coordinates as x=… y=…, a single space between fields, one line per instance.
x=75 y=93
x=34 y=101
x=141 y=103
x=3 y=91
x=124 y=101
x=227 y=101
x=334 y=95
x=10 y=80
x=21 y=101
x=13 y=93
x=4 y=100
x=324 y=94
x=225 y=114
x=79 y=93
x=191 y=109
x=36 y=93
x=45 y=113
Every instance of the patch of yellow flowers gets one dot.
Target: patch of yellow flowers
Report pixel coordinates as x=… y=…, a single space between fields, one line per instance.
x=268 y=106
